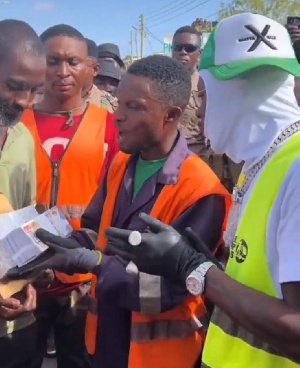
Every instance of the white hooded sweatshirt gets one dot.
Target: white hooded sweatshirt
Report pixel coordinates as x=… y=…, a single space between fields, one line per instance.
x=243 y=117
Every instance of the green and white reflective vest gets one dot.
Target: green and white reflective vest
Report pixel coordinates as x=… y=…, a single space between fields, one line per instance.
x=228 y=345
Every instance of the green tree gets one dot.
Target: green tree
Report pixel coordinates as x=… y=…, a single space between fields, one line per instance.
x=278 y=10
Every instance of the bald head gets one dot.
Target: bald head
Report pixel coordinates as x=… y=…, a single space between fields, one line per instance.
x=18 y=35
x=22 y=69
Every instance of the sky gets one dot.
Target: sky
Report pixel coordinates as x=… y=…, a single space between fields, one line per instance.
x=112 y=20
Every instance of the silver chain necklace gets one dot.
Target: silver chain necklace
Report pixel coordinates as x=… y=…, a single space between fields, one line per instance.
x=239 y=192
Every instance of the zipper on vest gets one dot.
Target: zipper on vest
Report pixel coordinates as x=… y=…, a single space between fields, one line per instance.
x=55 y=167
x=54 y=185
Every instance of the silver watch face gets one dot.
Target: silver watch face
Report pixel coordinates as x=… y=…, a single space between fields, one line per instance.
x=193 y=285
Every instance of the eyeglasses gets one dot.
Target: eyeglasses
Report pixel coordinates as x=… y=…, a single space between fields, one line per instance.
x=189 y=48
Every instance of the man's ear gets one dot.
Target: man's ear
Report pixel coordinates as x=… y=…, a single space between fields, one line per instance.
x=173 y=114
x=96 y=69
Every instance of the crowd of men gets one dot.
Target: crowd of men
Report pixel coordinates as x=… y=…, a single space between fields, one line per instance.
x=110 y=147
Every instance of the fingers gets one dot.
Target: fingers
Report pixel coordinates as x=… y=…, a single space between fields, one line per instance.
x=10 y=303
x=198 y=244
x=48 y=238
x=9 y=313
x=12 y=308
x=126 y=253
x=155 y=225
x=115 y=233
x=42 y=263
x=17 y=273
x=30 y=302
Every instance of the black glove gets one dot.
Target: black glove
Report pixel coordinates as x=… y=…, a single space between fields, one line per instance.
x=163 y=251
x=200 y=247
x=63 y=255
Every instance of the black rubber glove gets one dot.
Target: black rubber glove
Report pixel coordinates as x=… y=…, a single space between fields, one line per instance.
x=163 y=251
x=63 y=255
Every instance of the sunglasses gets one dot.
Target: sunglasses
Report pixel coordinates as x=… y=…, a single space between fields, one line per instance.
x=189 y=48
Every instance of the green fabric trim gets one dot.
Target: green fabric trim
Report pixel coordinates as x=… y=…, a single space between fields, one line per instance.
x=235 y=69
x=145 y=170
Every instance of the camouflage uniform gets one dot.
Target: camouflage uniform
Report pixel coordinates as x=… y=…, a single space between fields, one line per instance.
x=101 y=99
x=190 y=126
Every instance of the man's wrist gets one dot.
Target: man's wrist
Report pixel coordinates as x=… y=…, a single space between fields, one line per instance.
x=195 y=282
x=90 y=260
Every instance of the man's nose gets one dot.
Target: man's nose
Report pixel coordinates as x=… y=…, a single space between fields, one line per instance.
x=183 y=52
x=24 y=100
x=119 y=116
x=109 y=88
x=63 y=70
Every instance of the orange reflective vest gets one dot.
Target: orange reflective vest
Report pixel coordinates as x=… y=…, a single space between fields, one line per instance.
x=71 y=183
x=171 y=339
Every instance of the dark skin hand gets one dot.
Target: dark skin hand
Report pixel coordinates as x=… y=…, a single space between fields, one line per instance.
x=11 y=308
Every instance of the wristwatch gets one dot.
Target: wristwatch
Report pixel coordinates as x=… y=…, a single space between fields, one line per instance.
x=195 y=282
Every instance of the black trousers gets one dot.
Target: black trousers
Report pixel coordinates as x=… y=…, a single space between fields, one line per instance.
x=69 y=328
x=18 y=348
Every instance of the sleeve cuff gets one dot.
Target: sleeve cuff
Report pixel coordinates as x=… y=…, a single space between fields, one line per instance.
x=289 y=271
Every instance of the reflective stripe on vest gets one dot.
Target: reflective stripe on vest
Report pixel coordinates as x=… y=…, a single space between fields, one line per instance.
x=79 y=168
x=172 y=339
x=167 y=329
x=235 y=346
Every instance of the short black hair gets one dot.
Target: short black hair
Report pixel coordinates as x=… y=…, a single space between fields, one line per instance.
x=61 y=30
x=187 y=29
x=92 y=48
x=16 y=34
x=171 y=79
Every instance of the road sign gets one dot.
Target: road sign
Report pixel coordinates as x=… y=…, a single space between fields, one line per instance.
x=167 y=46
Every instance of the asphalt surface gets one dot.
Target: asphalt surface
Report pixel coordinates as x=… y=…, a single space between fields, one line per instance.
x=49 y=363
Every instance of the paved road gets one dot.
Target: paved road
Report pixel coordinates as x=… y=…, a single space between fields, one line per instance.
x=49 y=363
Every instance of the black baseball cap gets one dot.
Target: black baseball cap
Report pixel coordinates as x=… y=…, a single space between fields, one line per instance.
x=108 y=69
x=110 y=50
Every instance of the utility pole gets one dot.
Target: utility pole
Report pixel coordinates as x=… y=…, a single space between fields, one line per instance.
x=136 y=45
x=142 y=29
x=131 y=46
x=136 y=42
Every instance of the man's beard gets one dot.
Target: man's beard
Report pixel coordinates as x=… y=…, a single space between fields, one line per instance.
x=9 y=114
